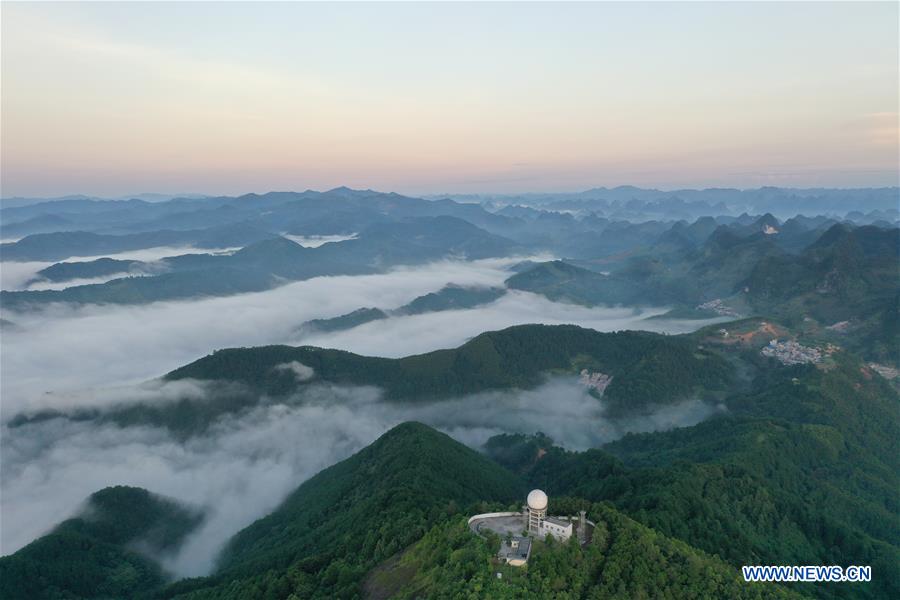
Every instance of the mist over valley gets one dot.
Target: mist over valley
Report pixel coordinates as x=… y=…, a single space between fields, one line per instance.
x=392 y=301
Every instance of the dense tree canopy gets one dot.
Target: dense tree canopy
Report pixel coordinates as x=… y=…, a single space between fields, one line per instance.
x=93 y=555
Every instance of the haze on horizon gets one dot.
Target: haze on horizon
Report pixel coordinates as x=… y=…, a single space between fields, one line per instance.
x=227 y=98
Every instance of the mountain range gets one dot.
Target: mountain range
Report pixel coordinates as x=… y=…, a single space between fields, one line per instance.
x=791 y=459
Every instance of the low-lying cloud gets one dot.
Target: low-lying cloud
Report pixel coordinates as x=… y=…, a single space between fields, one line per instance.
x=301 y=372
x=156 y=391
x=68 y=357
x=63 y=348
x=314 y=241
x=402 y=335
x=243 y=466
x=23 y=275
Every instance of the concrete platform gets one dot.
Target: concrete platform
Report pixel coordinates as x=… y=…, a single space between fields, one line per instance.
x=512 y=525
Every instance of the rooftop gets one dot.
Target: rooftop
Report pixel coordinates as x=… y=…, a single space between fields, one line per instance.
x=517 y=548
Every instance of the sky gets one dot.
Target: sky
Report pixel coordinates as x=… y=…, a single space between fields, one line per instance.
x=227 y=98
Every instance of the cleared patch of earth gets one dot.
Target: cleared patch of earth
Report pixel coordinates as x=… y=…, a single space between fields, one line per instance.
x=388 y=578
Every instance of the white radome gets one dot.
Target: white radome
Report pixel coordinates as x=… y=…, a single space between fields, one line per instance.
x=537 y=500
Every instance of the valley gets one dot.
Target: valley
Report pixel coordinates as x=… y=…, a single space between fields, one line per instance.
x=449 y=300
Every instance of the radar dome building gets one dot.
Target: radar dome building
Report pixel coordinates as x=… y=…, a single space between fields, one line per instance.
x=537 y=510
x=539 y=523
x=517 y=528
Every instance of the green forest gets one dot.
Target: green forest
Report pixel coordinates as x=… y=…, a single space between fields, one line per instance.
x=93 y=555
x=647 y=368
x=799 y=466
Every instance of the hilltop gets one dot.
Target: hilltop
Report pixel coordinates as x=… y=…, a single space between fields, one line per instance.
x=108 y=550
x=339 y=524
x=518 y=356
x=840 y=286
x=798 y=468
x=390 y=521
x=801 y=469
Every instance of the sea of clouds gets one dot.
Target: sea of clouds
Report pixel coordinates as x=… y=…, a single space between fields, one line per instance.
x=23 y=275
x=243 y=466
x=66 y=357
x=51 y=354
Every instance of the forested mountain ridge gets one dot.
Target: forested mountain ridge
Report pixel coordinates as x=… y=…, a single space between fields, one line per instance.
x=799 y=469
x=344 y=210
x=60 y=245
x=648 y=368
x=802 y=469
x=107 y=551
x=656 y=262
x=337 y=211
x=841 y=286
x=449 y=297
x=564 y=282
x=849 y=276
x=276 y=260
x=796 y=462
x=336 y=526
x=623 y=560
x=401 y=503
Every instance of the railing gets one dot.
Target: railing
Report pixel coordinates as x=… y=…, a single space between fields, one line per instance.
x=519 y=514
x=496 y=514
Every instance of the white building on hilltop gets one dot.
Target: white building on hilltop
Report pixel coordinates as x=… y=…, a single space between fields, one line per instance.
x=539 y=523
x=514 y=528
x=536 y=509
